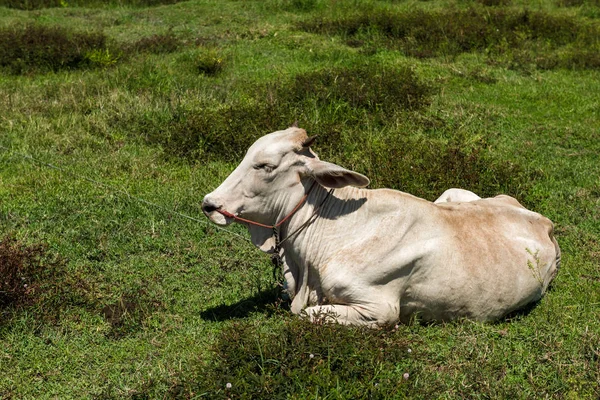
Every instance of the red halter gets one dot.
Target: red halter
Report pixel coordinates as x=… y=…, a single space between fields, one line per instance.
x=277 y=225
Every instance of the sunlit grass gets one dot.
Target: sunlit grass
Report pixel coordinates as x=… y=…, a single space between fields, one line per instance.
x=125 y=299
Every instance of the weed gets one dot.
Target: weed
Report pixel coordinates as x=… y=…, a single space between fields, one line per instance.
x=209 y=63
x=135 y=3
x=296 y=5
x=36 y=48
x=30 y=4
x=225 y=132
x=36 y=281
x=101 y=57
x=304 y=5
x=536 y=269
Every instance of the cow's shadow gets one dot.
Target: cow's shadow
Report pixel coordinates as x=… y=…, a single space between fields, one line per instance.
x=270 y=302
x=267 y=301
x=520 y=313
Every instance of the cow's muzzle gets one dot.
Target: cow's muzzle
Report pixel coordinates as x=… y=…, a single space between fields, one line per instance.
x=211 y=208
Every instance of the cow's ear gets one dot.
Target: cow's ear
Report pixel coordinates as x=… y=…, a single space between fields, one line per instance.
x=334 y=176
x=262 y=238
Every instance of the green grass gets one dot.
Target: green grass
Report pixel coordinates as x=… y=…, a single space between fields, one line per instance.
x=125 y=299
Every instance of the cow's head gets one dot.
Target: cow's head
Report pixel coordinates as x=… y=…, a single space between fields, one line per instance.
x=272 y=178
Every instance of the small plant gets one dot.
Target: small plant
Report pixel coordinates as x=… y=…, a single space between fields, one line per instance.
x=33 y=279
x=535 y=265
x=101 y=57
x=210 y=63
x=426 y=166
x=303 y=5
x=494 y=2
x=577 y=3
x=30 y=4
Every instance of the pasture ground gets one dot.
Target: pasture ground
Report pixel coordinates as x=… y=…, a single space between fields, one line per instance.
x=104 y=296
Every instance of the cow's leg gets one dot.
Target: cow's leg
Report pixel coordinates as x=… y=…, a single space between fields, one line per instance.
x=457 y=195
x=352 y=315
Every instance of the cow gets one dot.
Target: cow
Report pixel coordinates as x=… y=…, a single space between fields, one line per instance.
x=374 y=257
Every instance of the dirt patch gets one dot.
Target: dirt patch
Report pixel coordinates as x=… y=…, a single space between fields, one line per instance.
x=35 y=279
x=130 y=312
x=19 y=270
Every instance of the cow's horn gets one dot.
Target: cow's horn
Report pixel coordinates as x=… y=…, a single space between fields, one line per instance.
x=309 y=141
x=295 y=124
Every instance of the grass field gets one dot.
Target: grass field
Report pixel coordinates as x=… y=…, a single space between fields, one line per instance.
x=133 y=110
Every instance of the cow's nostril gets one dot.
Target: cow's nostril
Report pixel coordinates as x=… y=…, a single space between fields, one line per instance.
x=208 y=206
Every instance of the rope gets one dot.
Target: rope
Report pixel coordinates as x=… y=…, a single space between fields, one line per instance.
x=278 y=224
x=118 y=190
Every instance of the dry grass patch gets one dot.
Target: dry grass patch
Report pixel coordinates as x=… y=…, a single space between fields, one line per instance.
x=19 y=267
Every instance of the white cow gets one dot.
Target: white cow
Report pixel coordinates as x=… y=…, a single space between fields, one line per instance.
x=373 y=257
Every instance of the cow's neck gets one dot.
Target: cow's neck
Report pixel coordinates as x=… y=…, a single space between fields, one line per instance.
x=307 y=248
x=322 y=207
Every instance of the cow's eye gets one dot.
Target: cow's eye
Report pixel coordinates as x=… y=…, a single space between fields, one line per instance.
x=265 y=167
